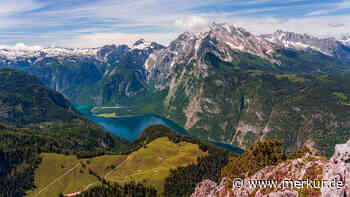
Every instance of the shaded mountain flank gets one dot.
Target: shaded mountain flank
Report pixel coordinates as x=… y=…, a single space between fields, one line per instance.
x=35 y=119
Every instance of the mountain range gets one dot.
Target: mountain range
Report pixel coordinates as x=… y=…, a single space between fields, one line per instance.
x=327 y=46
x=283 y=97
x=226 y=84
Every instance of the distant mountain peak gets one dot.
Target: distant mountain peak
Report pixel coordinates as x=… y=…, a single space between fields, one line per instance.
x=223 y=40
x=327 y=46
x=142 y=44
x=225 y=27
x=24 y=51
x=21 y=51
x=231 y=37
x=345 y=40
x=140 y=41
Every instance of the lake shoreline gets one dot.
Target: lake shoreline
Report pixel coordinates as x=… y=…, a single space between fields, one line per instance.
x=130 y=127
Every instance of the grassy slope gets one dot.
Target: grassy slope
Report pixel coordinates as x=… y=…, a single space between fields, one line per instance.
x=151 y=163
x=55 y=165
x=157 y=158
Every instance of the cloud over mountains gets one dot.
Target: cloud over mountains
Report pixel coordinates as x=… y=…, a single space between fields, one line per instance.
x=90 y=23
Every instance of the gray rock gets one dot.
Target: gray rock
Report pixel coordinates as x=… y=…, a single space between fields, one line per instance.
x=336 y=172
x=339 y=169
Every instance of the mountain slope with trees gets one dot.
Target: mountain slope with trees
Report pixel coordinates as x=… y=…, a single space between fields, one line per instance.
x=35 y=119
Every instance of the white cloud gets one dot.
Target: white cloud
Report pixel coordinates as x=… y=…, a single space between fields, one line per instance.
x=9 y=7
x=192 y=23
x=318 y=26
x=95 y=37
x=331 y=8
x=109 y=21
x=22 y=47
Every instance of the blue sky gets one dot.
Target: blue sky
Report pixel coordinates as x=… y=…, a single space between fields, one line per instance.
x=93 y=23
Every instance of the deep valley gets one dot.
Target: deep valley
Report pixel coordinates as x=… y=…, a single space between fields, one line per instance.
x=148 y=120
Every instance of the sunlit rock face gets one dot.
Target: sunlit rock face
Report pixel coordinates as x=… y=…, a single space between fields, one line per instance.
x=209 y=188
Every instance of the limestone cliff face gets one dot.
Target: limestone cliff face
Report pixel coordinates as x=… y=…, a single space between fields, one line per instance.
x=240 y=108
x=308 y=167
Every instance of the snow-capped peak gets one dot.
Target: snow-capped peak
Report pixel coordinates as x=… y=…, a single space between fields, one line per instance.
x=345 y=40
x=21 y=50
x=224 y=40
x=302 y=41
x=142 y=44
x=230 y=37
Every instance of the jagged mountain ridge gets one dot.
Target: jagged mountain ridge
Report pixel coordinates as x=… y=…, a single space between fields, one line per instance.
x=228 y=37
x=327 y=46
x=229 y=43
x=20 y=50
x=223 y=40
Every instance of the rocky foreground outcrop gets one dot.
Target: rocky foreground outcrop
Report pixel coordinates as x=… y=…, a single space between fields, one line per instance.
x=335 y=173
x=338 y=168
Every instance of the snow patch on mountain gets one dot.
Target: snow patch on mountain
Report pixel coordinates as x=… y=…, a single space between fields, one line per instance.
x=21 y=50
x=142 y=44
x=345 y=41
x=327 y=46
x=223 y=40
x=238 y=39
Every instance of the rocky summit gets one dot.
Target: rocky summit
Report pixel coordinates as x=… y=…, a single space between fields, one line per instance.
x=309 y=166
x=338 y=168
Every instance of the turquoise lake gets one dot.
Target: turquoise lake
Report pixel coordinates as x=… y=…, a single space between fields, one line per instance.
x=130 y=128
